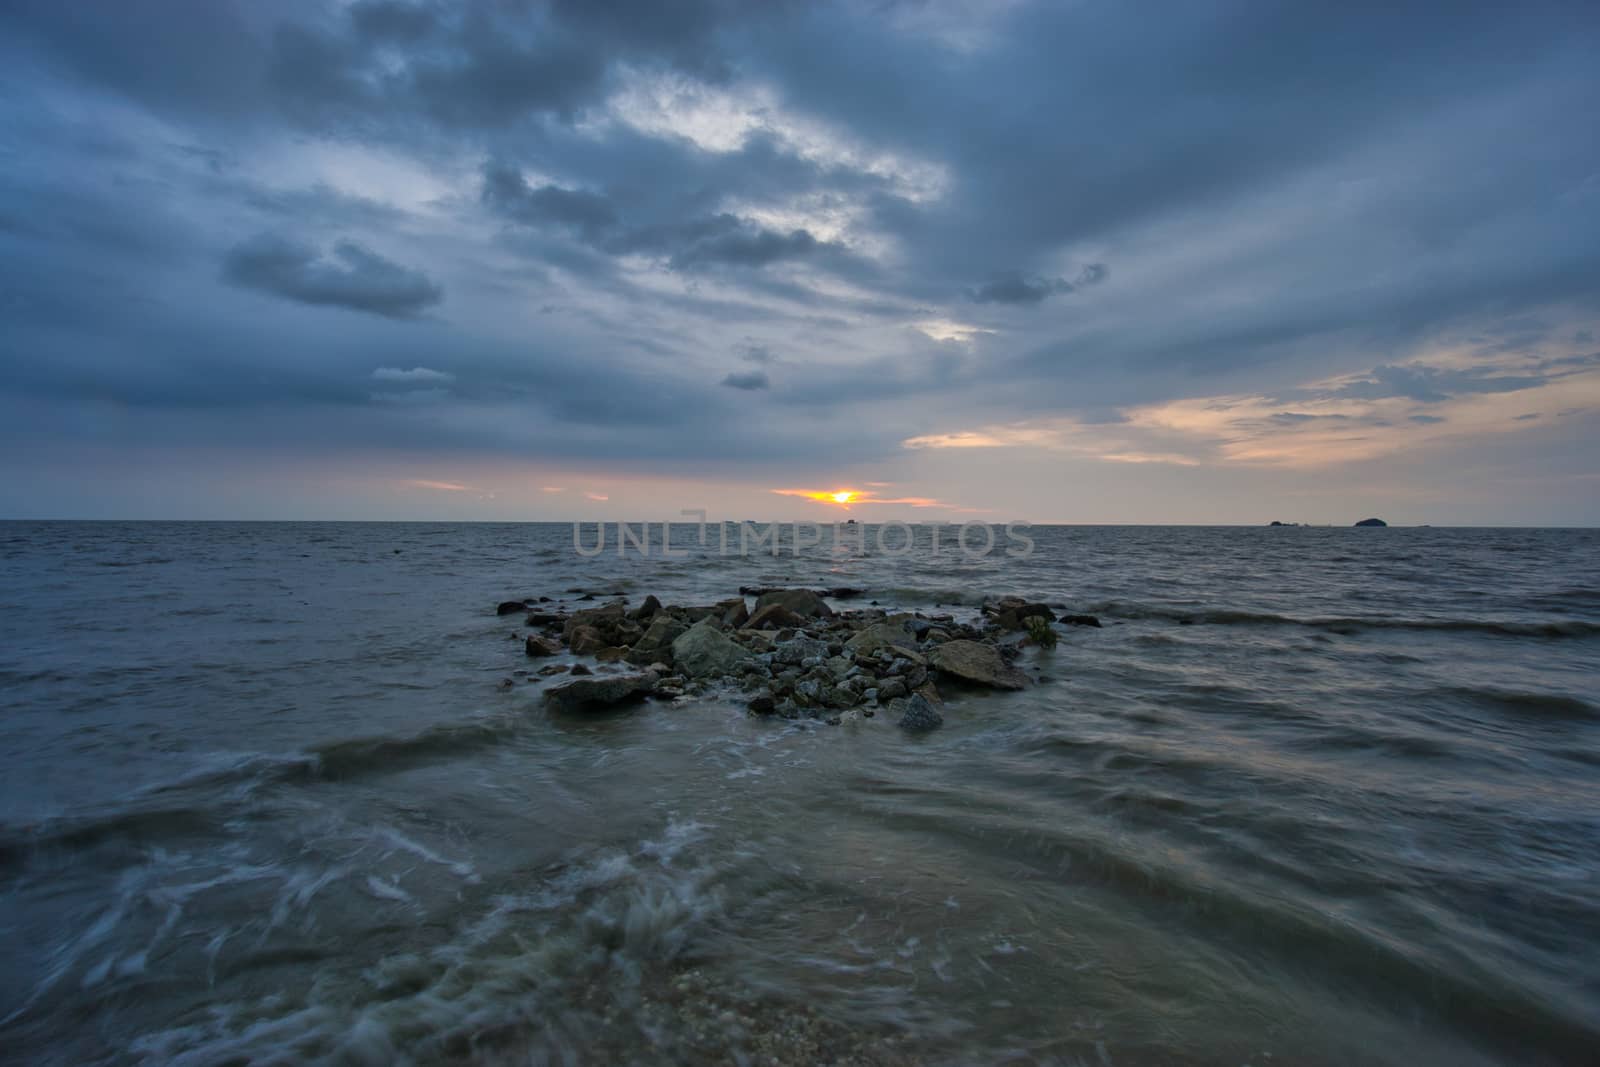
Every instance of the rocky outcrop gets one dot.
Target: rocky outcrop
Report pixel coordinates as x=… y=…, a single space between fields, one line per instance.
x=656 y=642
x=886 y=634
x=704 y=650
x=1372 y=522
x=978 y=663
x=599 y=690
x=511 y=607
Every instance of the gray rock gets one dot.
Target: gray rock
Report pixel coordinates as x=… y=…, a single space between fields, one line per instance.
x=603 y=619
x=541 y=646
x=704 y=650
x=646 y=611
x=981 y=664
x=890 y=688
x=586 y=640
x=656 y=642
x=793 y=652
x=774 y=617
x=885 y=635
x=599 y=690
x=920 y=716
x=802 y=602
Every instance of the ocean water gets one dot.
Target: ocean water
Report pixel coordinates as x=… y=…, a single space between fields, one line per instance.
x=1310 y=796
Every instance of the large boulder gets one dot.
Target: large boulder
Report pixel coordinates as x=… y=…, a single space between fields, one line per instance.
x=1013 y=613
x=704 y=650
x=656 y=644
x=803 y=602
x=600 y=690
x=976 y=662
x=510 y=607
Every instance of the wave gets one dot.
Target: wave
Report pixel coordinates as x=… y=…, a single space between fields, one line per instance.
x=1234 y=617
x=1536 y=705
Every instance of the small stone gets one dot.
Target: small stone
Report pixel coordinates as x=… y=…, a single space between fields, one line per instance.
x=578 y=668
x=511 y=607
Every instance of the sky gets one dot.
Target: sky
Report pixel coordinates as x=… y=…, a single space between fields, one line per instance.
x=1083 y=261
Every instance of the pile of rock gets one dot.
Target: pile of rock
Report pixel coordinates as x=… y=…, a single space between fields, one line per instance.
x=791 y=653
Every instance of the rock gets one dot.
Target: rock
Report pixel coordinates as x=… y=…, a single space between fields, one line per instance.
x=586 y=640
x=600 y=690
x=1016 y=615
x=890 y=688
x=734 y=613
x=774 y=617
x=973 y=661
x=843 y=592
x=646 y=611
x=802 y=602
x=511 y=607
x=762 y=704
x=929 y=692
x=656 y=642
x=578 y=668
x=545 y=618
x=603 y=620
x=541 y=646
x=704 y=650
x=1079 y=620
x=611 y=654
x=798 y=649
x=1372 y=522
x=920 y=716
x=891 y=635
x=554 y=668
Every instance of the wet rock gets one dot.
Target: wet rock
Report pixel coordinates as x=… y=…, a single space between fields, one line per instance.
x=890 y=688
x=611 y=654
x=647 y=610
x=981 y=664
x=554 y=668
x=586 y=640
x=541 y=646
x=578 y=668
x=762 y=704
x=705 y=650
x=602 y=620
x=733 y=613
x=656 y=642
x=803 y=602
x=919 y=716
x=545 y=618
x=881 y=635
x=600 y=691
x=1015 y=613
x=843 y=592
x=511 y=607
x=1079 y=620
x=774 y=617
x=798 y=649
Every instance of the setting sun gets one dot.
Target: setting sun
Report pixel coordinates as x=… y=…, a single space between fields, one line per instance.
x=843 y=496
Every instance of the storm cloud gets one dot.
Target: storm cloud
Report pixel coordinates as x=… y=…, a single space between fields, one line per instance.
x=351 y=277
x=542 y=232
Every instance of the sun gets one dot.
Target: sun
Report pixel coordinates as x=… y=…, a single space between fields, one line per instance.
x=844 y=496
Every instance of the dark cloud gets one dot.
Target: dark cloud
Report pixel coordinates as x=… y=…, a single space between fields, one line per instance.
x=353 y=277
x=1014 y=288
x=747 y=380
x=720 y=240
x=1289 y=194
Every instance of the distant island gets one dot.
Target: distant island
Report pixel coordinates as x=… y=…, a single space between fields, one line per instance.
x=1275 y=522
x=1372 y=522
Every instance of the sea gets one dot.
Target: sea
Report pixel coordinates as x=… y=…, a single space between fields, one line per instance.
x=286 y=793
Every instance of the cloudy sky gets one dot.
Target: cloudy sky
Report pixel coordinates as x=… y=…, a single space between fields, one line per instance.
x=1072 y=261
